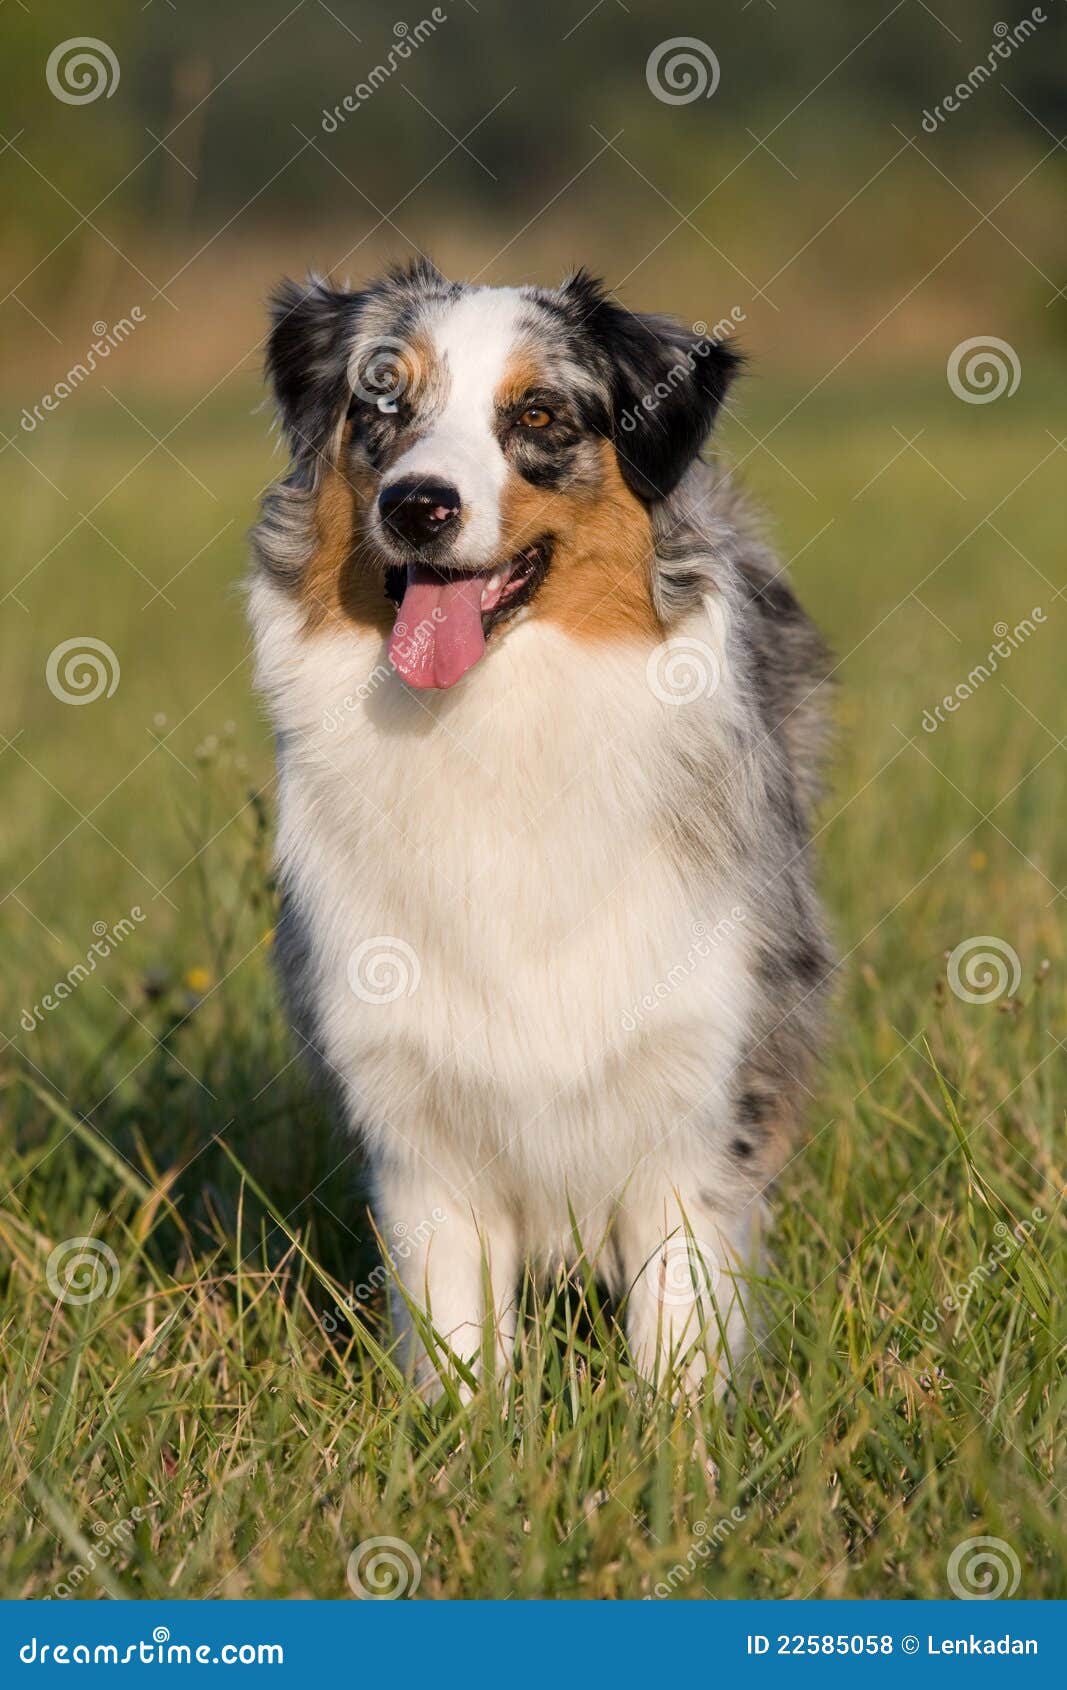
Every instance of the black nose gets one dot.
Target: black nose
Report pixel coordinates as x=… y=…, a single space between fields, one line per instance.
x=419 y=510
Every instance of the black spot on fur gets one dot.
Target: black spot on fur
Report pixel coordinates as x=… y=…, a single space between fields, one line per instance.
x=556 y=456
x=752 y=1108
x=772 y=968
x=551 y=457
x=687 y=582
x=805 y=961
x=549 y=473
x=741 y=1148
x=809 y=961
x=774 y=597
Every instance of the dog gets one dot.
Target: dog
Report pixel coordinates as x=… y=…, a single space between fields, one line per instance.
x=550 y=726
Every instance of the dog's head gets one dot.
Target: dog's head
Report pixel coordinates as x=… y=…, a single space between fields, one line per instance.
x=502 y=448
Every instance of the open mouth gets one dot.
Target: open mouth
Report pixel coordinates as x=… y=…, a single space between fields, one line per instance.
x=444 y=615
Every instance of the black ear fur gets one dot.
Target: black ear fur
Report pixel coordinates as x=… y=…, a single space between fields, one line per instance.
x=308 y=348
x=668 y=384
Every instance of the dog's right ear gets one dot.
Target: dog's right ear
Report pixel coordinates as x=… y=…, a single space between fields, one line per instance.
x=308 y=349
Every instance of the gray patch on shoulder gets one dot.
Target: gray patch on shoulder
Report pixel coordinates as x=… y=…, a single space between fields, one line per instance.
x=283 y=540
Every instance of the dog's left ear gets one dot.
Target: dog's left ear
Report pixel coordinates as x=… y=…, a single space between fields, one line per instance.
x=668 y=383
x=310 y=341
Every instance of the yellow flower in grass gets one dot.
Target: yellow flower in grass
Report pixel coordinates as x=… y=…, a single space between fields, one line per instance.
x=979 y=860
x=199 y=980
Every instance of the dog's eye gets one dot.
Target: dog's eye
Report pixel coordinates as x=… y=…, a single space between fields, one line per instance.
x=535 y=416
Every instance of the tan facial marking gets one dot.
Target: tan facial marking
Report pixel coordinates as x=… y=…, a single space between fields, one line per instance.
x=345 y=580
x=521 y=374
x=599 y=586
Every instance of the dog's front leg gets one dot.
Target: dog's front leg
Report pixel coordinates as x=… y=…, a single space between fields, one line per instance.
x=449 y=1264
x=683 y=1264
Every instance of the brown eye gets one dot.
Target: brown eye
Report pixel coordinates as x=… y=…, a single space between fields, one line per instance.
x=535 y=416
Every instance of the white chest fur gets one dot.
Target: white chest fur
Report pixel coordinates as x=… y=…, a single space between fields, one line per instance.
x=510 y=968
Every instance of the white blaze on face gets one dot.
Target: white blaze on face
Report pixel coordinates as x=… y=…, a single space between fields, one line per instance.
x=473 y=339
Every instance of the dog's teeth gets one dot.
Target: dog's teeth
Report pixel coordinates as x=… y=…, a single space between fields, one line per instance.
x=494 y=582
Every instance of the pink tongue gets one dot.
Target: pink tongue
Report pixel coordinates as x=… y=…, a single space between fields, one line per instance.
x=438 y=634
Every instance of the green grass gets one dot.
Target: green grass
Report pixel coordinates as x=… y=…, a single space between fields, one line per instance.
x=211 y=1423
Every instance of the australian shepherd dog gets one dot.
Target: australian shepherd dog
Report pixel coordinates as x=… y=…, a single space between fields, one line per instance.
x=549 y=728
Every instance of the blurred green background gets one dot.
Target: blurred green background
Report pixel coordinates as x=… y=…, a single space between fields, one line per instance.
x=801 y=190
x=860 y=250
x=515 y=140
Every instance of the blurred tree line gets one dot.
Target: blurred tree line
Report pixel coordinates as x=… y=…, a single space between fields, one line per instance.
x=237 y=95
